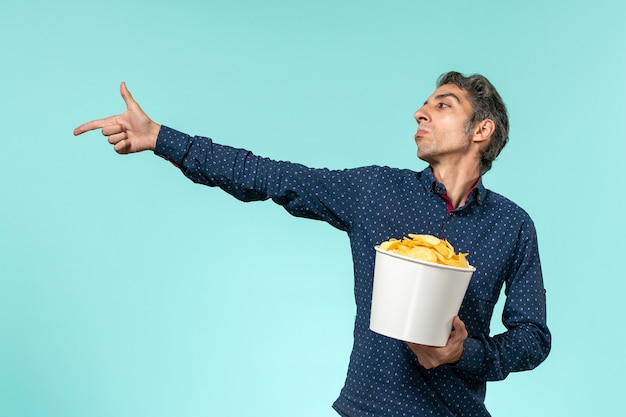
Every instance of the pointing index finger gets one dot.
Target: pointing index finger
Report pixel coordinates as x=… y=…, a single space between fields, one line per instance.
x=94 y=124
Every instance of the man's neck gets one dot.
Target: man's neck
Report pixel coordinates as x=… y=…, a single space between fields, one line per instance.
x=458 y=181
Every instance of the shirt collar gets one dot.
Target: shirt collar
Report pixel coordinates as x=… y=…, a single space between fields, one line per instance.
x=434 y=187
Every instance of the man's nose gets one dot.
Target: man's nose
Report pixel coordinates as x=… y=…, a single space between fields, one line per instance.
x=420 y=115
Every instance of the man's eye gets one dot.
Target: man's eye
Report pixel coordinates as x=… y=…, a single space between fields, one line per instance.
x=442 y=105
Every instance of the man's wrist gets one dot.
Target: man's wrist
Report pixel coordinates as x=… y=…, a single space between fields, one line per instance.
x=155 y=128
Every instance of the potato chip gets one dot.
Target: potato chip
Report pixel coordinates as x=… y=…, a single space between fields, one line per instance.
x=445 y=249
x=423 y=253
x=426 y=248
x=389 y=245
x=427 y=240
x=459 y=261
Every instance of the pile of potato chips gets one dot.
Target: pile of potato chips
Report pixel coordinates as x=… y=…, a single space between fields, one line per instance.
x=426 y=248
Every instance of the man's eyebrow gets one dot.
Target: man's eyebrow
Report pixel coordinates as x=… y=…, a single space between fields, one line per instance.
x=444 y=95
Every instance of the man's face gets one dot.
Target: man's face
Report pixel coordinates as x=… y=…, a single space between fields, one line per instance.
x=441 y=125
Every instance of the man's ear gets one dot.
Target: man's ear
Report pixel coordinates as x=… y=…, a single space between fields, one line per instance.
x=483 y=130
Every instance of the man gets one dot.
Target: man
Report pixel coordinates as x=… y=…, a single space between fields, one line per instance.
x=462 y=127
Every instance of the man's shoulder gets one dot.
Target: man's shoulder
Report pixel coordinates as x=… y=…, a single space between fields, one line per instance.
x=497 y=201
x=384 y=169
x=383 y=172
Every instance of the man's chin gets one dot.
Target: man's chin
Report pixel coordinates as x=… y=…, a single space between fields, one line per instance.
x=420 y=155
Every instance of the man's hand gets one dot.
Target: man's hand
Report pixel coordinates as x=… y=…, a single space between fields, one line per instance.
x=431 y=357
x=130 y=132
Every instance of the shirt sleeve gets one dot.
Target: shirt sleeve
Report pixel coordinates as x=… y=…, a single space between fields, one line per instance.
x=319 y=194
x=527 y=341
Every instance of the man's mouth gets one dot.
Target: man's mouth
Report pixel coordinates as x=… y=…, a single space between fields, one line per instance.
x=421 y=132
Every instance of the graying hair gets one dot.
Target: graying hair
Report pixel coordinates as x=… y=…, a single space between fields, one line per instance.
x=486 y=104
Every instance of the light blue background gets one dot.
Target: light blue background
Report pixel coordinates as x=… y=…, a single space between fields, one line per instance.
x=126 y=290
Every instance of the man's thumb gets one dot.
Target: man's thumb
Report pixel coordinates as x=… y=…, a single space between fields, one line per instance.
x=128 y=98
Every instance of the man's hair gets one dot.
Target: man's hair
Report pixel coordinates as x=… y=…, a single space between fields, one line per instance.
x=486 y=104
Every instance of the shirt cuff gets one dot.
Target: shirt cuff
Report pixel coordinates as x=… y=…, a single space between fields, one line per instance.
x=172 y=145
x=473 y=356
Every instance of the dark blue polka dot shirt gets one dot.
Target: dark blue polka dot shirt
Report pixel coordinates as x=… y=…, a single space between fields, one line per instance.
x=373 y=204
